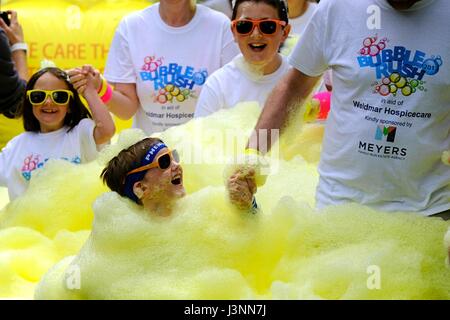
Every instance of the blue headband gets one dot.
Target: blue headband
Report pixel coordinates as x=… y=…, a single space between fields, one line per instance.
x=131 y=179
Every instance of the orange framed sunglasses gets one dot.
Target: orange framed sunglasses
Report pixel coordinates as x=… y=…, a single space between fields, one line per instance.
x=162 y=162
x=265 y=26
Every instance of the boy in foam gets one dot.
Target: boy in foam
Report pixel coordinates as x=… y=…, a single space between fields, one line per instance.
x=149 y=173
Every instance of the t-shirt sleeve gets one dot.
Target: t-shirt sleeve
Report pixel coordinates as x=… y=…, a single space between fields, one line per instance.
x=5 y=161
x=119 y=65
x=229 y=46
x=87 y=143
x=209 y=100
x=309 y=54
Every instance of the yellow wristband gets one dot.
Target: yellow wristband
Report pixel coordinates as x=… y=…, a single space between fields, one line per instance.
x=251 y=151
x=103 y=87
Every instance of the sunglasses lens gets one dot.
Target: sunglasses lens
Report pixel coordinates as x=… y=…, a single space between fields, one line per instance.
x=164 y=161
x=244 y=27
x=37 y=97
x=60 y=97
x=268 y=27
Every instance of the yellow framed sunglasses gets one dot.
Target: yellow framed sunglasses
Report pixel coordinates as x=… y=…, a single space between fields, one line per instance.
x=59 y=97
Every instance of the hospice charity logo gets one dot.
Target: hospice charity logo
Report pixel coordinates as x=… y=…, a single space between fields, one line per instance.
x=172 y=82
x=33 y=162
x=397 y=70
x=385 y=133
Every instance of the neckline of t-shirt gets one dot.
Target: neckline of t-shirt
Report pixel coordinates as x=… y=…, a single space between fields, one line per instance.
x=416 y=6
x=176 y=30
x=52 y=133
x=267 y=77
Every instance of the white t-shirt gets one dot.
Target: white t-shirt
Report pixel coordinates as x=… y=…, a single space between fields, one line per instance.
x=390 y=109
x=220 y=5
x=30 y=150
x=169 y=65
x=234 y=83
x=298 y=24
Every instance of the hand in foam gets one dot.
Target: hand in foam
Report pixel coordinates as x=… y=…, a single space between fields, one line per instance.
x=243 y=179
x=241 y=188
x=446 y=157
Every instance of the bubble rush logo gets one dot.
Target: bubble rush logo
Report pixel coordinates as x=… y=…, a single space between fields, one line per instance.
x=33 y=162
x=398 y=70
x=173 y=82
x=388 y=132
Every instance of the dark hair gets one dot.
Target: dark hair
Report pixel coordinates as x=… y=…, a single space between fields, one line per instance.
x=128 y=159
x=77 y=110
x=280 y=5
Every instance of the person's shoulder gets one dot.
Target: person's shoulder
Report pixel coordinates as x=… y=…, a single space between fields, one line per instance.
x=211 y=14
x=285 y=63
x=21 y=138
x=85 y=123
x=138 y=15
x=312 y=6
x=330 y=4
x=227 y=71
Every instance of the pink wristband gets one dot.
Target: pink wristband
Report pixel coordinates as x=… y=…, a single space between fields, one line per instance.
x=108 y=94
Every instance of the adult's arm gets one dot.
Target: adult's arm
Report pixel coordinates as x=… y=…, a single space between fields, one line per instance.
x=124 y=102
x=12 y=87
x=288 y=95
x=14 y=32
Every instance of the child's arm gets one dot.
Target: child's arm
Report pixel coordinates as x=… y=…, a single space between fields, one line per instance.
x=5 y=161
x=104 y=123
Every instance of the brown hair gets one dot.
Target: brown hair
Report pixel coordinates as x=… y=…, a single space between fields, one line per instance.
x=77 y=110
x=128 y=159
x=280 y=5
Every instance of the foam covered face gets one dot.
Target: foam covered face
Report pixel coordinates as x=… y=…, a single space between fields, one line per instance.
x=259 y=48
x=50 y=115
x=164 y=184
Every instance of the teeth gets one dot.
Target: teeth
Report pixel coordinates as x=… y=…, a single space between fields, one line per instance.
x=176 y=180
x=257 y=45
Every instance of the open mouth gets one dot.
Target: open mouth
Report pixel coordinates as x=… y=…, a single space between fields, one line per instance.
x=257 y=46
x=50 y=111
x=176 y=180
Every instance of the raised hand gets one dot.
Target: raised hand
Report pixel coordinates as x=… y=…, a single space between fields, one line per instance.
x=14 y=31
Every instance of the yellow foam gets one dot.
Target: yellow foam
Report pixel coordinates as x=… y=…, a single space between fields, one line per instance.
x=207 y=249
x=50 y=221
x=58 y=197
x=9 y=128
